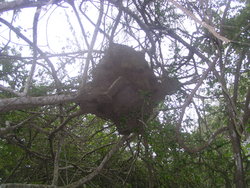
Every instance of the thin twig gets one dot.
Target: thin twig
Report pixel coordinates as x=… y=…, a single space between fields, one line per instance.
x=18 y=33
x=33 y=67
x=187 y=102
x=94 y=37
x=204 y=24
x=100 y=167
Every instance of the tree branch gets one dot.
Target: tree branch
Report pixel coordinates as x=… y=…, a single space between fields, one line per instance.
x=3 y=88
x=246 y=115
x=33 y=67
x=104 y=161
x=187 y=102
x=19 y=34
x=19 y=103
x=9 y=128
x=19 y=4
x=56 y=160
x=204 y=24
x=91 y=46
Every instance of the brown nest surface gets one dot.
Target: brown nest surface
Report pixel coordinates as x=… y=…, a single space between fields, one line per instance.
x=124 y=89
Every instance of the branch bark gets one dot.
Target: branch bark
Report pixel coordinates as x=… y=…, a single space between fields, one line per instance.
x=8 y=128
x=56 y=160
x=19 y=103
x=19 y=4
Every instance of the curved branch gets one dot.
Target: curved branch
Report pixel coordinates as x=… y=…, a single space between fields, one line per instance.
x=72 y=4
x=7 y=89
x=64 y=123
x=204 y=24
x=187 y=102
x=19 y=34
x=33 y=67
x=104 y=161
x=91 y=46
x=8 y=128
x=143 y=25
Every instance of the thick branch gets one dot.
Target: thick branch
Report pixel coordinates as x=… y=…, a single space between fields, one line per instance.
x=20 y=185
x=19 y=103
x=56 y=160
x=19 y=4
x=246 y=115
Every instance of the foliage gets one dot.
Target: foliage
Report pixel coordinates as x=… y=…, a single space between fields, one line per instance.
x=196 y=137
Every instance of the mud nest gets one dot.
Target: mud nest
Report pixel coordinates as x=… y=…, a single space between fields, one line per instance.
x=124 y=89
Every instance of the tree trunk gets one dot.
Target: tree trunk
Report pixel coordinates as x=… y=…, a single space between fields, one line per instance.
x=236 y=147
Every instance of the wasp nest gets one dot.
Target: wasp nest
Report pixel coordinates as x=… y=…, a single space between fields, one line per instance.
x=124 y=89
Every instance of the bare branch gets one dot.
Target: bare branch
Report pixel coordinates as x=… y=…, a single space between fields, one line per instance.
x=64 y=123
x=204 y=24
x=31 y=102
x=33 y=67
x=104 y=161
x=18 y=33
x=246 y=115
x=9 y=128
x=187 y=102
x=20 y=185
x=56 y=160
x=72 y=3
x=142 y=25
x=3 y=88
x=19 y=4
x=85 y=73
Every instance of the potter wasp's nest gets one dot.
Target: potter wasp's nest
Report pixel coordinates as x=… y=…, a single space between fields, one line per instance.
x=124 y=89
